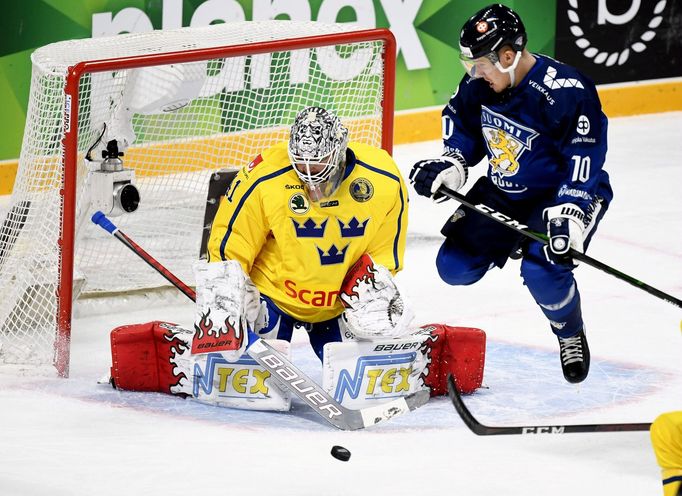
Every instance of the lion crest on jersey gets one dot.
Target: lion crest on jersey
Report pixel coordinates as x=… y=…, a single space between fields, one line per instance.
x=506 y=141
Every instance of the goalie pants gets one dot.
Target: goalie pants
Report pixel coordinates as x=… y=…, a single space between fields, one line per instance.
x=475 y=244
x=280 y=325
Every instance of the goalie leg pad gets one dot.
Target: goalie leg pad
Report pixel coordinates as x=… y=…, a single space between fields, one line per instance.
x=459 y=351
x=359 y=374
x=156 y=357
x=243 y=384
x=144 y=357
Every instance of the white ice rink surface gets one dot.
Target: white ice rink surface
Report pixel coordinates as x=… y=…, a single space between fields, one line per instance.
x=75 y=437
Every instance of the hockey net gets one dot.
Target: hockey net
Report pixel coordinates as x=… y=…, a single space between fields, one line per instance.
x=181 y=105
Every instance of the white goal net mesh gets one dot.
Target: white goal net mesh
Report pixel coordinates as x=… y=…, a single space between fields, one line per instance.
x=176 y=124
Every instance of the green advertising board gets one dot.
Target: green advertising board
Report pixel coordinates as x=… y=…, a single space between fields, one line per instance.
x=426 y=31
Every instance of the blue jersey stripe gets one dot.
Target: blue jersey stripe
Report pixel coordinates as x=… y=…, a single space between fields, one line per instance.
x=379 y=171
x=396 y=259
x=670 y=480
x=398 y=231
x=228 y=232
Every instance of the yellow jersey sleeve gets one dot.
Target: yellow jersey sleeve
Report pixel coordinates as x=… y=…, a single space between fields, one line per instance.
x=240 y=227
x=387 y=247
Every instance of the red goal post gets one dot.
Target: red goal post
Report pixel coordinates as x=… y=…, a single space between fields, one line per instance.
x=170 y=150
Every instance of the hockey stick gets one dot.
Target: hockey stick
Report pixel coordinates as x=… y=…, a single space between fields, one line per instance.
x=282 y=370
x=486 y=430
x=541 y=238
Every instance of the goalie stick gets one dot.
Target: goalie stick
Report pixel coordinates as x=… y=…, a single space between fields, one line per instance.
x=541 y=238
x=281 y=369
x=487 y=430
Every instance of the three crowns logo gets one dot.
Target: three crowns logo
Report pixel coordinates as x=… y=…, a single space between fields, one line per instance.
x=332 y=256
x=354 y=228
x=309 y=229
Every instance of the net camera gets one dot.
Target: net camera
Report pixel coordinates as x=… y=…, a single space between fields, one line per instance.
x=113 y=190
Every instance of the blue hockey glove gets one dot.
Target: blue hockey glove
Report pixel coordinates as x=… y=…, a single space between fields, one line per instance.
x=565 y=231
x=428 y=175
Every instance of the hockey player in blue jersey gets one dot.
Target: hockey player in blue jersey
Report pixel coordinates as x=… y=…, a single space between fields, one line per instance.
x=540 y=127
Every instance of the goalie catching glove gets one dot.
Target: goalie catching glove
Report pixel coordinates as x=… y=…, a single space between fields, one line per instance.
x=374 y=306
x=228 y=303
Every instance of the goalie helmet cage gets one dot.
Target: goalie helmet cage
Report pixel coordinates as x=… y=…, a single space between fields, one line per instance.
x=181 y=104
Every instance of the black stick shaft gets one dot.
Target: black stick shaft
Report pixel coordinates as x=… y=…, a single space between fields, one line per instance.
x=487 y=430
x=523 y=230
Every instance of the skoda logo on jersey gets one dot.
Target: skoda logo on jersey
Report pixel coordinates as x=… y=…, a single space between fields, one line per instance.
x=299 y=204
x=361 y=190
x=583 y=126
x=506 y=141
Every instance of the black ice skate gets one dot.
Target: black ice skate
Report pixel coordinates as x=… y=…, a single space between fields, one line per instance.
x=575 y=357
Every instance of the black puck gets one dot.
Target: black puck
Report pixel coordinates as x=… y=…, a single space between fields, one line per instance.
x=340 y=453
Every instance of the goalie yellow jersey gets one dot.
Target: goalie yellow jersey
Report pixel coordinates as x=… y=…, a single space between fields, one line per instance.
x=296 y=251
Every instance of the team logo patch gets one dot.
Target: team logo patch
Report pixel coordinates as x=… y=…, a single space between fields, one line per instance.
x=361 y=190
x=481 y=26
x=299 y=204
x=583 y=125
x=506 y=141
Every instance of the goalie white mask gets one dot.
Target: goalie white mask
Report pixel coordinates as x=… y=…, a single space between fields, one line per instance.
x=317 y=150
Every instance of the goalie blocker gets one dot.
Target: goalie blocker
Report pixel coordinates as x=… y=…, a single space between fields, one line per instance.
x=156 y=356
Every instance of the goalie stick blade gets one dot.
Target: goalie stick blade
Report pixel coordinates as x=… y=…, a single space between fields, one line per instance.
x=486 y=430
x=417 y=399
x=394 y=408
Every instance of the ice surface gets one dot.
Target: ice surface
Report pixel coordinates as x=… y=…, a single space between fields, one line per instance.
x=75 y=437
